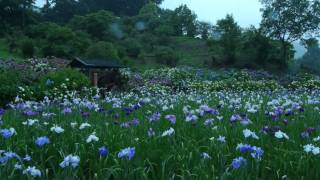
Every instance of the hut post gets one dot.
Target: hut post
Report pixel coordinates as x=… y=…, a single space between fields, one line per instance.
x=95 y=79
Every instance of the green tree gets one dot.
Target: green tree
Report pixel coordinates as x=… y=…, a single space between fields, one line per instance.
x=311 y=59
x=27 y=48
x=149 y=15
x=119 y=8
x=289 y=20
x=61 y=11
x=229 y=36
x=98 y=24
x=15 y=13
x=102 y=50
x=184 y=21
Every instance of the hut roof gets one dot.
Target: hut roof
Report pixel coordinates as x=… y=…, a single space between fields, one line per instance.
x=95 y=63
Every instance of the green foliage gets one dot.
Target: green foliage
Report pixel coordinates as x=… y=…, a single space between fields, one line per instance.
x=184 y=21
x=63 y=81
x=288 y=21
x=133 y=47
x=166 y=56
x=230 y=33
x=102 y=50
x=97 y=25
x=15 y=13
x=305 y=81
x=27 y=48
x=10 y=82
x=311 y=59
x=59 y=41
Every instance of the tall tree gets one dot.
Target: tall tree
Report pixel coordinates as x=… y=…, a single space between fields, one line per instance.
x=118 y=7
x=230 y=33
x=311 y=59
x=290 y=20
x=184 y=21
x=98 y=24
x=14 y=13
x=61 y=11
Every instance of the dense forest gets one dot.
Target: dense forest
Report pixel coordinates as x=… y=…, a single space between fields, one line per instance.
x=140 y=33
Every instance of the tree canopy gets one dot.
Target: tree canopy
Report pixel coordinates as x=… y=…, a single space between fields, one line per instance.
x=290 y=20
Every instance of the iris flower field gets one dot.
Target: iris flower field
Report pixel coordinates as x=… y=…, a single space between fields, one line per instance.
x=163 y=134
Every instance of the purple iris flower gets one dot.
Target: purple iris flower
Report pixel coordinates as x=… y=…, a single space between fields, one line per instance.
x=257 y=152
x=41 y=141
x=6 y=133
x=310 y=130
x=7 y=156
x=127 y=152
x=238 y=162
x=245 y=121
x=103 y=151
x=27 y=158
x=20 y=106
x=135 y=122
x=301 y=109
x=30 y=113
x=127 y=110
x=3 y=159
x=2 y=111
x=141 y=102
x=234 y=118
x=67 y=110
x=307 y=132
x=85 y=114
x=208 y=122
x=289 y=112
x=171 y=118
x=208 y=110
x=155 y=117
x=244 y=148
x=101 y=110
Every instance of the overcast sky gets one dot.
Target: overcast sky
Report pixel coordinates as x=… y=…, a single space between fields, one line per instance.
x=245 y=12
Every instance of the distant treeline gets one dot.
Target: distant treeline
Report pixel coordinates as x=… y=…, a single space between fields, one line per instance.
x=132 y=30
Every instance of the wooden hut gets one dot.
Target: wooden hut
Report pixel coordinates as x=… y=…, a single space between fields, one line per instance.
x=102 y=72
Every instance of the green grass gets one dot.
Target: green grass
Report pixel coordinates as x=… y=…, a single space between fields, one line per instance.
x=193 y=52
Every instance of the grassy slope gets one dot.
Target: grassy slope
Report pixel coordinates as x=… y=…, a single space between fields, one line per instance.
x=193 y=52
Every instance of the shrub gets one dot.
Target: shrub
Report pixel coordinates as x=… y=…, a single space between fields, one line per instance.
x=133 y=48
x=305 y=81
x=102 y=50
x=166 y=55
x=63 y=82
x=9 y=86
x=27 y=48
x=55 y=50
